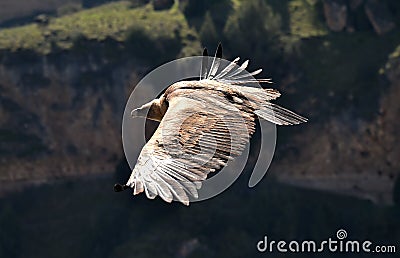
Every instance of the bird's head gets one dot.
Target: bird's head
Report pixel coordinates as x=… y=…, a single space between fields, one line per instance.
x=154 y=110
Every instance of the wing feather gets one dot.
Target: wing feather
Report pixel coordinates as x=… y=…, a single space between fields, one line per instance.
x=199 y=134
x=227 y=69
x=279 y=115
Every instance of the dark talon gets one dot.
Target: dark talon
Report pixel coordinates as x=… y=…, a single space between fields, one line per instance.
x=120 y=188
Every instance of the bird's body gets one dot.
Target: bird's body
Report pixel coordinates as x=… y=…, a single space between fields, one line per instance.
x=203 y=124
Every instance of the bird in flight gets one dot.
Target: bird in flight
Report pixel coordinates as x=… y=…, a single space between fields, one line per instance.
x=203 y=124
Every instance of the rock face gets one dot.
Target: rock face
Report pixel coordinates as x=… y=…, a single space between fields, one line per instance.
x=350 y=155
x=61 y=116
x=339 y=15
x=379 y=16
x=335 y=12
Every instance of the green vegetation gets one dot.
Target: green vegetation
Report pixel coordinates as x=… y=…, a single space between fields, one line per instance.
x=25 y=37
x=330 y=56
x=305 y=21
x=255 y=19
x=114 y=21
x=208 y=33
x=393 y=61
x=327 y=70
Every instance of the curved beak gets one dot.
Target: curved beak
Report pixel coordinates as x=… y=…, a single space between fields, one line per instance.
x=142 y=111
x=135 y=112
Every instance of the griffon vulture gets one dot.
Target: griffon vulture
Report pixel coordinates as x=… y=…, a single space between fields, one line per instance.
x=203 y=124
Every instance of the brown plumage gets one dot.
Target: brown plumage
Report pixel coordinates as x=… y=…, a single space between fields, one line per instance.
x=203 y=124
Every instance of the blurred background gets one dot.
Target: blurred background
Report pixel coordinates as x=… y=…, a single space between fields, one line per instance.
x=67 y=69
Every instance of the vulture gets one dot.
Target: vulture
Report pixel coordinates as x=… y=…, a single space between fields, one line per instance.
x=203 y=124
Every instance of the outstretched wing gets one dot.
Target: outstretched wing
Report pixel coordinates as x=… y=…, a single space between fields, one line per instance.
x=243 y=82
x=199 y=133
